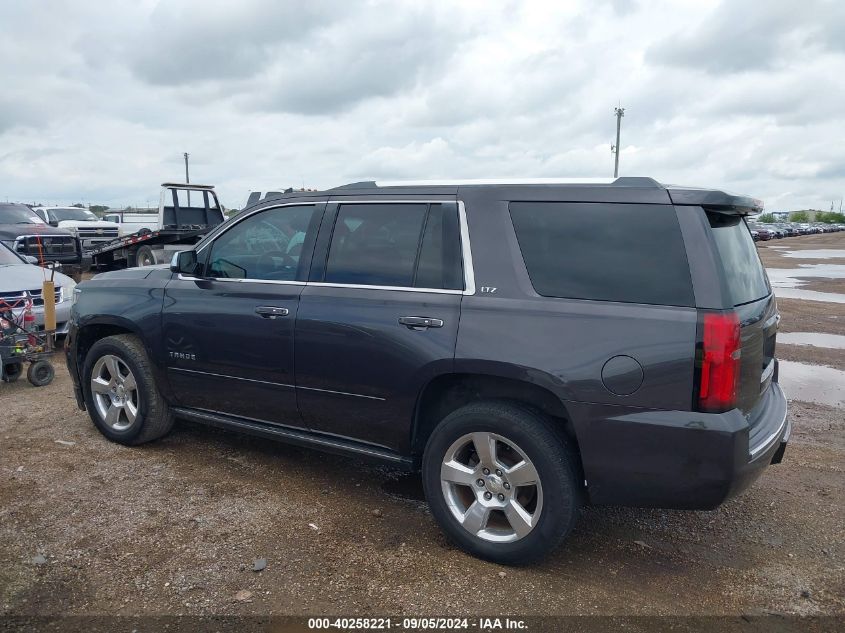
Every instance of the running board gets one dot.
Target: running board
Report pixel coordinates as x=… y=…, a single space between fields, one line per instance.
x=303 y=438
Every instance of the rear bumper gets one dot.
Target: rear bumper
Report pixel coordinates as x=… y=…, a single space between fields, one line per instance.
x=678 y=459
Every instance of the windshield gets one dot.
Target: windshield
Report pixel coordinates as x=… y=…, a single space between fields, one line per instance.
x=18 y=214
x=8 y=257
x=73 y=213
x=744 y=273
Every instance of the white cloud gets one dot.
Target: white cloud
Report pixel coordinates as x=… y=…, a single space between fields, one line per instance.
x=100 y=99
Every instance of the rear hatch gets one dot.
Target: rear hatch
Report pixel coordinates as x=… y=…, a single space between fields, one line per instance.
x=754 y=304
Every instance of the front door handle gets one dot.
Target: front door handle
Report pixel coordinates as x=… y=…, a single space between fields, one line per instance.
x=271 y=312
x=414 y=322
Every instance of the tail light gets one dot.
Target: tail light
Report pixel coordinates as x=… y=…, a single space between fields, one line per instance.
x=719 y=362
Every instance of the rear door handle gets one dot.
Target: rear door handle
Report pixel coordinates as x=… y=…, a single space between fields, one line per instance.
x=271 y=312
x=420 y=322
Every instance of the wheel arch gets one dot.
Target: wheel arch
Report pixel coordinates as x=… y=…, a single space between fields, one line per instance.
x=97 y=328
x=449 y=391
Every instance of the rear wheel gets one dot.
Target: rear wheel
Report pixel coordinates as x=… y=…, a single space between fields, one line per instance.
x=144 y=256
x=12 y=371
x=120 y=392
x=500 y=482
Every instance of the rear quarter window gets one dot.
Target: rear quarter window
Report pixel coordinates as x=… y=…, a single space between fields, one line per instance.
x=605 y=252
x=744 y=273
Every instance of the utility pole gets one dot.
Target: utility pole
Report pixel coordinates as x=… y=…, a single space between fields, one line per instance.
x=619 y=113
x=187 y=178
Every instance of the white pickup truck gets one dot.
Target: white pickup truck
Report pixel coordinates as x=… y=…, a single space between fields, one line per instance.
x=90 y=230
x=129 y=223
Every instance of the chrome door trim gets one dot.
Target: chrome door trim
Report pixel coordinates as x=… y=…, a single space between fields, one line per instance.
x=208 y=373
x=323 y=284
x=250 y=281
x=342 y=393
x=466 y=250
x=276 y=384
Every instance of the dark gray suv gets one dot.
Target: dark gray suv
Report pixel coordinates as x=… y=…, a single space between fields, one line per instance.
x=528 y=346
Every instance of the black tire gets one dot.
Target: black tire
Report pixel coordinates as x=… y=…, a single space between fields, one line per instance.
x=154 y=419
x=555 y=462
x=143 y=256
x=12 y=371
x=40 y=373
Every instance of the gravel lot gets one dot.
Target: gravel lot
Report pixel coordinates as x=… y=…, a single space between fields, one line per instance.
x=175 y=527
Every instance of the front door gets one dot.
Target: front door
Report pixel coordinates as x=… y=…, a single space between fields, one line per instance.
x=229 y=331
x=379 y=317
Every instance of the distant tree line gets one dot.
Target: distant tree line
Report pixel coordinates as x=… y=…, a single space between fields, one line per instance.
x=828 y=217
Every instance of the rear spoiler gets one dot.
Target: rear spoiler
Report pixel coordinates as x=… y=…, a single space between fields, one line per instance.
x=714 y=200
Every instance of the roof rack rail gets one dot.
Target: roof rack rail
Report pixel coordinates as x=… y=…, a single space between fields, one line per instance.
x=363 y=184
x=255 y=197
x=186 y=185
x=627 y=181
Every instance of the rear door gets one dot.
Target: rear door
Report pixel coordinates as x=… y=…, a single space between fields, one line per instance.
x=379 y=316
x=751 y=296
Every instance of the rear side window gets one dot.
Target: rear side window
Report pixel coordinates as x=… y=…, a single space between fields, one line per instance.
x=744 y=273
x=439 y=264
x=401 y=245
x=605 y=252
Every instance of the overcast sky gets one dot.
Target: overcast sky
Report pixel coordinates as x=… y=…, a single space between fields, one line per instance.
x=99 y=99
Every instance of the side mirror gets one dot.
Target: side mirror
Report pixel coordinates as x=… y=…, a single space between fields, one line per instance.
x=54 y=223
x=184 y=262
x=31 y=260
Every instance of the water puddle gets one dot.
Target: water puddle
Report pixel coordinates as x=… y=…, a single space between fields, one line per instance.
x=407 y=487
x=808 y=295
x=823 y=253
x=815 y=339
x=812 y=383
x=789 y=277
x=787 y=282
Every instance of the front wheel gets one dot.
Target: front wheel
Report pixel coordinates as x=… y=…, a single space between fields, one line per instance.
x=500 y=482
x=120 y=392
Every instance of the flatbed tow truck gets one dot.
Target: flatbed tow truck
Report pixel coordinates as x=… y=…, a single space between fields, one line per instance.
x=186 y=212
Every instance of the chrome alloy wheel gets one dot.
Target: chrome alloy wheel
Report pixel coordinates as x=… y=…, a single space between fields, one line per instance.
x=491 y=487
x=115 y=392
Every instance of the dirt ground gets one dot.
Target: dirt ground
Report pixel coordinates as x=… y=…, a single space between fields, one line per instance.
x=175 y=527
